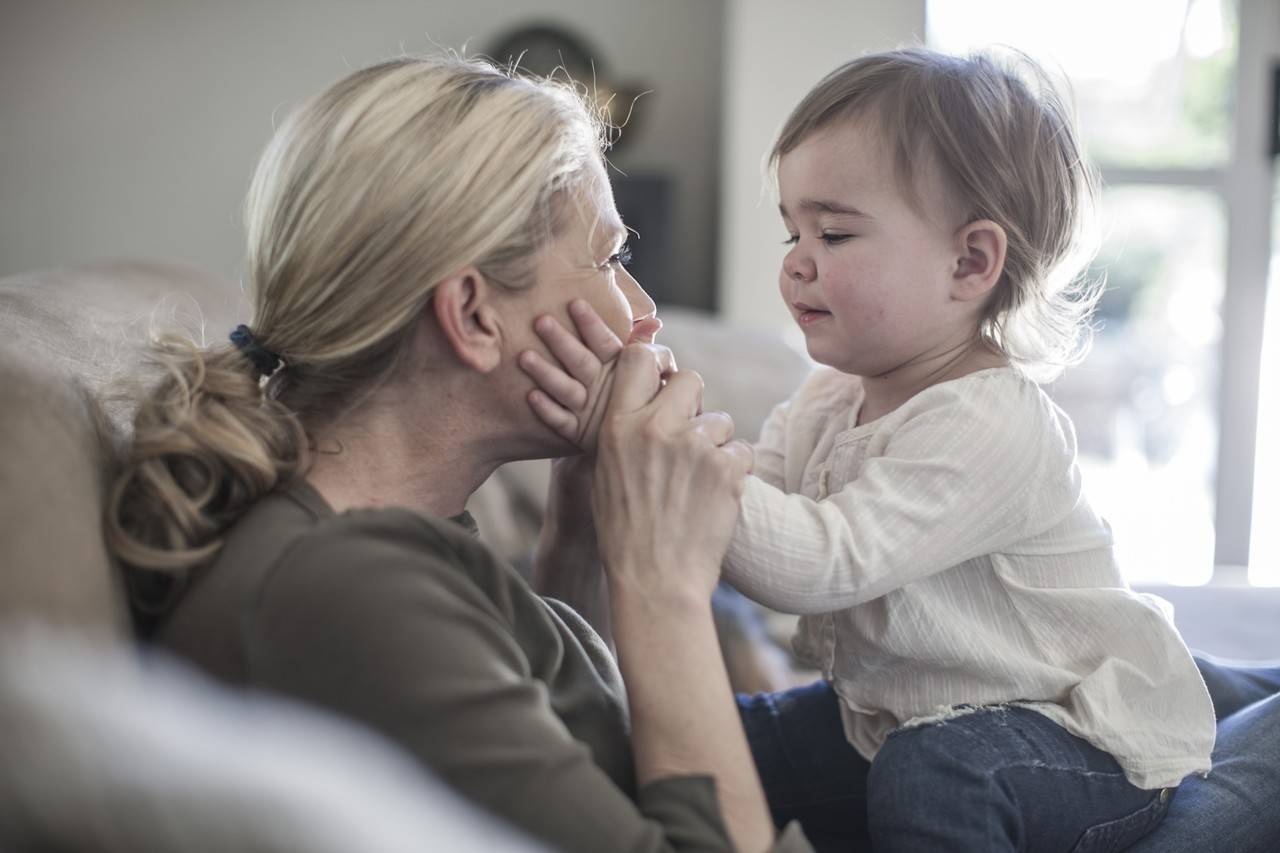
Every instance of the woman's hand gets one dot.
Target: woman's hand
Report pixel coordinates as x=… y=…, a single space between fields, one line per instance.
x=566 y=563
x=572 y=395
x=667 y=482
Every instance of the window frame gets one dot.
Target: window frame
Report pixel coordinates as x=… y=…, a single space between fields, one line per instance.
x=1246 y=185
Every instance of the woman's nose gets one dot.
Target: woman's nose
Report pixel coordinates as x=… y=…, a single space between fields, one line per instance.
x=798 y=266
x=641 y=304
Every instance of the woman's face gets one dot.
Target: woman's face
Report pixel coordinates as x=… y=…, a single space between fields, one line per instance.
x=583 y=261
x=586 y=261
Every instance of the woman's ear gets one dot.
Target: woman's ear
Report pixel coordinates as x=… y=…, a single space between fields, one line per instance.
x=463 y=307
x=982 y=246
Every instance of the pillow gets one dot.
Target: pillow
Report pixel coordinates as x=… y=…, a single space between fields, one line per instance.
x=54 y=459
x=110 y=754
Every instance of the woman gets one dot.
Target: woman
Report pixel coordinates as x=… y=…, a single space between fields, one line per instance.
x=292 y=512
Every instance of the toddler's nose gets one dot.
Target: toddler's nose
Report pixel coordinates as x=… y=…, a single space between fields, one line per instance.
x=797 y=267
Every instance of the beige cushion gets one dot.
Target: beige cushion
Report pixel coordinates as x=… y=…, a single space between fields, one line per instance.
x=105 y=755
x=69 y=337
x=53 y=458
x=94 y=322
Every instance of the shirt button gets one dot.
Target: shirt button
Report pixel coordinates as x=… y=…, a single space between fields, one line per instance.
x=1164 y=795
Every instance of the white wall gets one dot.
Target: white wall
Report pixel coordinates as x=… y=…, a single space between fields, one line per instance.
x=774 y=53
x=129 y=128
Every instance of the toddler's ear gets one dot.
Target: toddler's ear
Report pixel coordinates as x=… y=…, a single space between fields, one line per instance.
x=982 y=245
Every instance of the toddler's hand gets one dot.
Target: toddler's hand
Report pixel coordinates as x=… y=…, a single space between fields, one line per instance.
x=572 y=395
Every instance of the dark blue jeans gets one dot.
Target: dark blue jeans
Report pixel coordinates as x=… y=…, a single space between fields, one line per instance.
x=993 y=780
x=1234 y=808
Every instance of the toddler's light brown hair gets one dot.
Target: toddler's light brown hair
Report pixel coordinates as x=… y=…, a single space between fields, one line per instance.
x=1004 y=141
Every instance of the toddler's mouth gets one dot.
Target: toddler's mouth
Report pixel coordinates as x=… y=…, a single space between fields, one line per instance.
x=808 y=314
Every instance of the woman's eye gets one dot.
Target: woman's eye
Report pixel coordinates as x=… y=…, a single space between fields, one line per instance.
x=791 y=240
x=622 y=258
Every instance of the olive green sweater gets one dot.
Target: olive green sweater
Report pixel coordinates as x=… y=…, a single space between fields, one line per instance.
x=414 y=627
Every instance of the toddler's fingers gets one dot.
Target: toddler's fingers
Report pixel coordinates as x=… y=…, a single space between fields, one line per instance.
x=680 y=399
x=744 y=454
x=598 y=337
x=581 y=363
x=716 y=427
x=562 y=387
x=637 y=378
x=666 y=358
x=551 y=413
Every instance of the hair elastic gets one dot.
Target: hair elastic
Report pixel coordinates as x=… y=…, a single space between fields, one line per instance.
x=264 y=360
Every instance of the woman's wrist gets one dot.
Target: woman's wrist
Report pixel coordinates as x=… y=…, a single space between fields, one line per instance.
x=632 y=590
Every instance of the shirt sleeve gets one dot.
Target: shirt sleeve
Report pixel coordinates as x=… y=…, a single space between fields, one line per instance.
x=395 y=636
x=770 y=450
x=959 y=479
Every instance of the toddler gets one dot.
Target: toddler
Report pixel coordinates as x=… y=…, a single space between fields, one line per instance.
x=989 y=681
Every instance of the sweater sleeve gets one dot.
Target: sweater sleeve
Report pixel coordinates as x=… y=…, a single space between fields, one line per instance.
x=398 y=637
x=770 y=450
x=960 y=477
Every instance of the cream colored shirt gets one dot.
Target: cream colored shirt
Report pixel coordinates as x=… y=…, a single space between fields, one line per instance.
x=944 y=556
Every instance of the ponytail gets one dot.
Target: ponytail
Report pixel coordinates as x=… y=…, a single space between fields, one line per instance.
x=207 y=443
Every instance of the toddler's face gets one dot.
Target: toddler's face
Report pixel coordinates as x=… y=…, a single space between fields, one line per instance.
x=866 y=276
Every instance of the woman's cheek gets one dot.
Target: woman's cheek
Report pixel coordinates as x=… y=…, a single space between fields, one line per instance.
x=615 y=311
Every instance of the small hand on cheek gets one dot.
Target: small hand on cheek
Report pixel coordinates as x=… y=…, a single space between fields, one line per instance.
x=572 y=393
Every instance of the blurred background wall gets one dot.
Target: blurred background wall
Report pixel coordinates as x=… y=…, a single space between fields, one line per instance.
x=128 y=128
x=774 y=53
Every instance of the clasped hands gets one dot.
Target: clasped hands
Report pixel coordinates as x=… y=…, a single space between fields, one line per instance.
x=667 y=476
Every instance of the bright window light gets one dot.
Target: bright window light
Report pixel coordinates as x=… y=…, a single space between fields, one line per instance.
x=1151 y=82
x=1264 y=550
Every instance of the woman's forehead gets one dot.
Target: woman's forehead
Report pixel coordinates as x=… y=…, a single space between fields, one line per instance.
x=594 y=217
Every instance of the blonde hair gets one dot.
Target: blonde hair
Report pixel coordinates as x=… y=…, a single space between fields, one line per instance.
x=366 y=197
x=1004 y=141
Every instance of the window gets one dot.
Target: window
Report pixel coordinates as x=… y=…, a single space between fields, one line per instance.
x=1158 y=404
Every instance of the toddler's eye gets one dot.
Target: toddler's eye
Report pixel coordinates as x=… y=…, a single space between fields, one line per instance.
x=835 y=239
x=621 y=258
